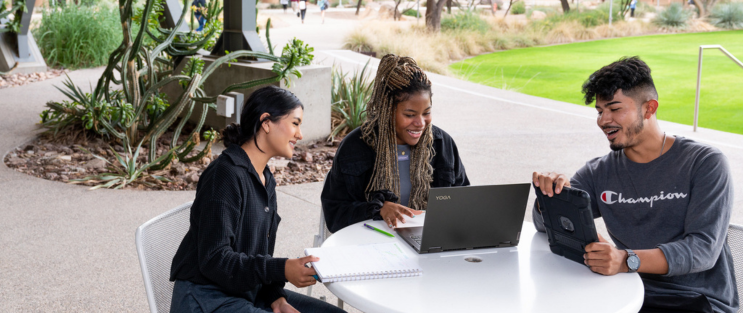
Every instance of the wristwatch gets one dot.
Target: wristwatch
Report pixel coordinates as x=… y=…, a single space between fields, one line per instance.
x=633 y=261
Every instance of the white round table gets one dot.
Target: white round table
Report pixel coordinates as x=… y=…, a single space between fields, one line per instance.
x=527 y=278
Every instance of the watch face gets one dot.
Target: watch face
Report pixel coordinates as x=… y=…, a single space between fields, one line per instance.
x=633 y=262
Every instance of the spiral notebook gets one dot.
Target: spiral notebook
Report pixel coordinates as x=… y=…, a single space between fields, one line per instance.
x=374 y=261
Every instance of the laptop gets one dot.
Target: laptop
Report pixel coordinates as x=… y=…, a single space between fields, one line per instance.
x=470 y=217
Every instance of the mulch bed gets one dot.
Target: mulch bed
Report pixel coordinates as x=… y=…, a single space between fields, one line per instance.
x=15 y=80
x=63 y=159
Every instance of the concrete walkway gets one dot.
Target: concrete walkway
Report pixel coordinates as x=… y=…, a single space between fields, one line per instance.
x=67 y=249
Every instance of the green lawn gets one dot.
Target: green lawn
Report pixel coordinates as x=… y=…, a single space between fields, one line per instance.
x=558 y=72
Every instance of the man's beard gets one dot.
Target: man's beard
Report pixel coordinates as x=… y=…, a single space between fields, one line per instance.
x=630 y=134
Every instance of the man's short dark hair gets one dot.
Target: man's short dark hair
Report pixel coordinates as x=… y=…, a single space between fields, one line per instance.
x=631 y=75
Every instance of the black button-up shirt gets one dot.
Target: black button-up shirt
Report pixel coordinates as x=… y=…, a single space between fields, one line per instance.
x=233 y=231
x=343 y=197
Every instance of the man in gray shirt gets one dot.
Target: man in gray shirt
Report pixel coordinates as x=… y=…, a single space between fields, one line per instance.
x=666 y=200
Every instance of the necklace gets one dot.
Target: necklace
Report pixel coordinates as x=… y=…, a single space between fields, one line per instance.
x=663 y=147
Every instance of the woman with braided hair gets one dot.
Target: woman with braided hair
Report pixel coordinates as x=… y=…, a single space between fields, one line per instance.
x=384 y=169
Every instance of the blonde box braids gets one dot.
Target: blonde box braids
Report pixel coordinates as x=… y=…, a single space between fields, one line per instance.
x=394 y=77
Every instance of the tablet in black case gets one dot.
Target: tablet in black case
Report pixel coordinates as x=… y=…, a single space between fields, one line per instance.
x=568 y=221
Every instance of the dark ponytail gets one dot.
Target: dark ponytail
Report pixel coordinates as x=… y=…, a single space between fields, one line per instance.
x=275 y=101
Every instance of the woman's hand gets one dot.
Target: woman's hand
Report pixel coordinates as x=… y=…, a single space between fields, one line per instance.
x=298 y=274
x=392 y=212
x=281 y=306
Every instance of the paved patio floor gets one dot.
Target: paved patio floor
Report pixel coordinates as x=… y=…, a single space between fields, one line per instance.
x=67 y=249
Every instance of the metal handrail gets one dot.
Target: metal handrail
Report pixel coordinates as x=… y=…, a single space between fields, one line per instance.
x=699 y=75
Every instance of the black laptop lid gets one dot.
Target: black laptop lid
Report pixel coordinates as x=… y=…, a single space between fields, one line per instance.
x=473 y=217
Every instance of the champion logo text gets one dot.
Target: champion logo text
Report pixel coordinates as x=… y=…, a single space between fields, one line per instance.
x=611 y=197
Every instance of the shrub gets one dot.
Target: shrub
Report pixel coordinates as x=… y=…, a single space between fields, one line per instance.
x=562 y=33
x=78 y=36
x=673 y=17
x=728 y=15
x=359 y=40
x=593 y=18
x=518 y=8
x=643 y=8
x=465 y=20
x=411 y=12
x=588 y=18
x=616 y=11
x=349 y=97
x=546 y=9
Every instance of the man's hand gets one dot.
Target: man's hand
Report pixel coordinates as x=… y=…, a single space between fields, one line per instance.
x=298 y=274
x=281 y=306
x=605 y=259
x=544 y=182
x=392 y=212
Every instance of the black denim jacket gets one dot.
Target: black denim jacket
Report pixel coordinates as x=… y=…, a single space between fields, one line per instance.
x=233 y=231
x=343 y=199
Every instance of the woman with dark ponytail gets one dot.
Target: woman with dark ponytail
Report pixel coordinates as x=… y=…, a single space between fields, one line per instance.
x=384 y=169
x=225 y=262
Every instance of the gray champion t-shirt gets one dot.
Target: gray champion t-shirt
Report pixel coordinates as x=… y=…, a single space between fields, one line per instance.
x=403 y=167
x=680 y=202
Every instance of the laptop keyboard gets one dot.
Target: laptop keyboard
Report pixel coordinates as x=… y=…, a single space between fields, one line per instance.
x=416 y=238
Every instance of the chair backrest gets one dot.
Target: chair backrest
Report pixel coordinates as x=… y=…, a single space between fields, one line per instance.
x=157 y=241
x=735 y=241
x=323 y=232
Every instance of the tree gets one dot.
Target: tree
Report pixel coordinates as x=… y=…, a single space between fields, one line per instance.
x=704 y=6
x=433 y=14
x=395 y=13
x=565 y=6
x=358 y=7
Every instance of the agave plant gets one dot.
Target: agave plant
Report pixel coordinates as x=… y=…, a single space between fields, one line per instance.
x=350 y=96
x=128 y=106
x=674 y=17
x=728 y=15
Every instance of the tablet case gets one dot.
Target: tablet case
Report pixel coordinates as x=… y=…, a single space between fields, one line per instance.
x=568 y=221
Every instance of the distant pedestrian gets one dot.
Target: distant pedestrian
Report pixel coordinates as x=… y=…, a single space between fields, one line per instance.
x=294 y=6
x=303 y=8
x=324 y=4
x=198 y=7
x=632 y=7
x=284 y=3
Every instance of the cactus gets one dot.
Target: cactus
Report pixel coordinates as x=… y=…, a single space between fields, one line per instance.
x=140 y=67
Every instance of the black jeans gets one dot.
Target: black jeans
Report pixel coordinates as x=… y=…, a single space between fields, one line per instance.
x=672 y=303
x=190 y=297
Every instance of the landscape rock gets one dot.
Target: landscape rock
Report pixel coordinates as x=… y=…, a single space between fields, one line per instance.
x=95 y=164
x=538 y=15
x=178 y=169
x=293 y=166
x=278 y=164
x=307 y=157
x=65 y=161
x=193 y=177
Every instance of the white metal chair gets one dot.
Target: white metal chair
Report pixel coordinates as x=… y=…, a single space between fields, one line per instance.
x=735 y=241
x=157 y=241
x=322 y=234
